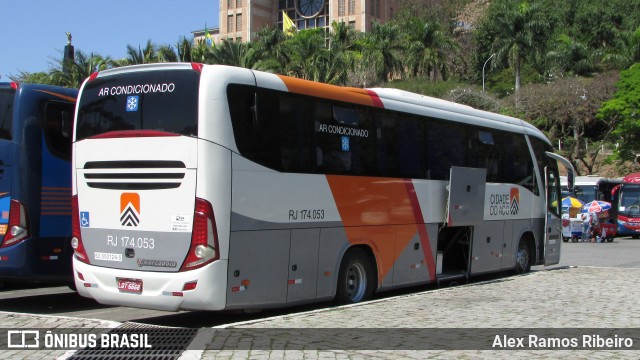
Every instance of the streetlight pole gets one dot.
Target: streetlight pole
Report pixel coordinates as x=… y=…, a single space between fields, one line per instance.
x=483 y=66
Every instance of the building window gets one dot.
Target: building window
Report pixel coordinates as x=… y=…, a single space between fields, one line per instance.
x=238 y=3
x=352 y=7
x=341 y=7
x=230 y=4
x=238 y=22
x=229 y=23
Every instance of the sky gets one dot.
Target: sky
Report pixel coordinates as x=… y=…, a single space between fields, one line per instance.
x=33 y=32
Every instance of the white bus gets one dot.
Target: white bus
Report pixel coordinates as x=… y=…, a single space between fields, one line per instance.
x=212 y=187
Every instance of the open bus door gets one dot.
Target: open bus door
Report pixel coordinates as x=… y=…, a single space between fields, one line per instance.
x=553 y=220
x=553 y=214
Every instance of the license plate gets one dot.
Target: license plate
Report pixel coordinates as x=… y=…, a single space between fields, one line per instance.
x=130 y=285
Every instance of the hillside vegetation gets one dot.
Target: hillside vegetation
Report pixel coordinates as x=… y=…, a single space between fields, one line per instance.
x=568 y=67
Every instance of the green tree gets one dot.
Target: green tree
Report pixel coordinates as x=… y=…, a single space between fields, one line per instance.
x=566 y=110
x=308 y=51
x=166 y=53
x=572 y=56
x=381 y=50
x=234 y=53
x=39 y=77
x=521 y=31
x=184 y=50
x=428 y=48
x=627 y=53
x=141 y=56
x=623 y=113
x=272 y=51
x=82 y=67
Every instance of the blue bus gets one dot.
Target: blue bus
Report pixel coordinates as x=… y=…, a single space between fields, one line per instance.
x=35 y=182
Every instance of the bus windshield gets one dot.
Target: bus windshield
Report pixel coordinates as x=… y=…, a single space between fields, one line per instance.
x=147 y=100
x=586 y=193
x=630 y=200
x=6 y=113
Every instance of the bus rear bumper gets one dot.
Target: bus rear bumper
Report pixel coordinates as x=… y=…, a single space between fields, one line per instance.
x=160 y=290
x=34 y=259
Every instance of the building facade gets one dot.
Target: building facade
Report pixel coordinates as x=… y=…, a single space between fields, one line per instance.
x=241 y=19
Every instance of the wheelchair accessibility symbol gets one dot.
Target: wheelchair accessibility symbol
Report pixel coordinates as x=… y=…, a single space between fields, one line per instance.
x=84 y=219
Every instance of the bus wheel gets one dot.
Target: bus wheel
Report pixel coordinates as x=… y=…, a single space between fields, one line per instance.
x=523 y=257
x=356 y=279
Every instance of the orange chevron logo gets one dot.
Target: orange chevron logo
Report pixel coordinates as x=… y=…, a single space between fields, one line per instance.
x=129 y=209
x=515 y=201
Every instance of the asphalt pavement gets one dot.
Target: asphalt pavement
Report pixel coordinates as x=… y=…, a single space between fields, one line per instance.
x=588 y=312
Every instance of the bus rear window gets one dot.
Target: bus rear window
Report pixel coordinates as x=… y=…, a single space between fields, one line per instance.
x=6 y=113
x=151 y=100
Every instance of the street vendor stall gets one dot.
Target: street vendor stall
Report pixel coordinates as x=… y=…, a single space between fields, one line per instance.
x=571 y=221
x=602 y=224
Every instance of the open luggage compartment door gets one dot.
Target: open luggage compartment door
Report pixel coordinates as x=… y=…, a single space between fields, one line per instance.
x=465 y=204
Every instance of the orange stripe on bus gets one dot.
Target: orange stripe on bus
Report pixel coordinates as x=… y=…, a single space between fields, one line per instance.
x=425 y=243
x=331 y=92
x=61 y=96
x=366 y=205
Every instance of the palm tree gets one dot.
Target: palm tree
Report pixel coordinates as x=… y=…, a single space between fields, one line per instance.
x=574 y=56
x=234 y=53
x=184 y=49
x=428 y=49
x=200 y=53
x=82 y=67
x=521 y=31
x=166 y=53
x=272 y=50
x=382 y=50
x=627 y=52
x=141 y=56
x=307 y=53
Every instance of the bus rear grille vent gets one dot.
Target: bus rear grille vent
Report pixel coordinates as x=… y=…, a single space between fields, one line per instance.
x=166 y=344
x=134 y=175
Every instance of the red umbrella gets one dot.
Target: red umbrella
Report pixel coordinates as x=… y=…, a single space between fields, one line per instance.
x=596 y=206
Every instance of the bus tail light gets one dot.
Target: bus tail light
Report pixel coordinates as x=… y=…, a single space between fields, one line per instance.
x=18 y=226
x=204 y=238
x=76 y=236
x=197 y=67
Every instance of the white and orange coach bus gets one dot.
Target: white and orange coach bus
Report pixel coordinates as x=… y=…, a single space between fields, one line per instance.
x=213 y=187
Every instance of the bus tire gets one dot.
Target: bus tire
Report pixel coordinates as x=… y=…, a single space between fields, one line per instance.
x=356 y=278
x=523 y=257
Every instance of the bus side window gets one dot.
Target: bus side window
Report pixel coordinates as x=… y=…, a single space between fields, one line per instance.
x=6 y=113
x=446 y=147
x=57 y=128
x=256 y=139
x=67 y=122
x=293 y=131
x=484 y=155
x=516 y=166
x=386 y=134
